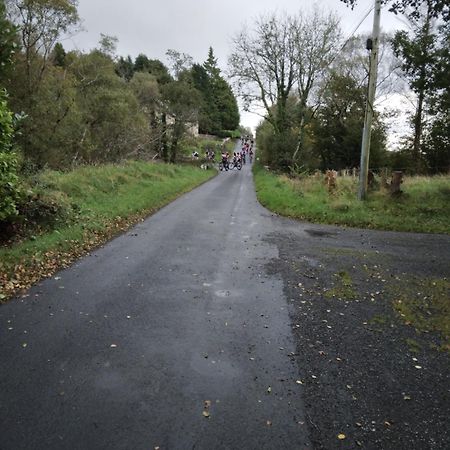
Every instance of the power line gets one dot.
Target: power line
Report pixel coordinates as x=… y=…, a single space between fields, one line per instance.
x=352 y=33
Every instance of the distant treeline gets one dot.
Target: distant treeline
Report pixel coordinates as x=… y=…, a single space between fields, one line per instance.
x=312 y=85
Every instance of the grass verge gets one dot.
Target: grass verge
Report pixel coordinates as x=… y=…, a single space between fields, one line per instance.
x=108 y=199
x=424 y=205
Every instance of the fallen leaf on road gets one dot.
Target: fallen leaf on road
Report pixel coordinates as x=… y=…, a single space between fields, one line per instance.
x=24 y=344
x=269 y=423
x=206 y=414
x=299 y=382
x=341 y=436
x=269 y=390
x=113 y=345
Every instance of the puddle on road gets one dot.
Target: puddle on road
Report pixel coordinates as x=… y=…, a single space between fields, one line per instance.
x=320 y=233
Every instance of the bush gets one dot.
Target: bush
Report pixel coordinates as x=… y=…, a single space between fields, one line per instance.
x=10 y=191
x=9 y=181
x=6 y=125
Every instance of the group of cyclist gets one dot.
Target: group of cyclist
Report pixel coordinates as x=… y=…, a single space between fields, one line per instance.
x=239 y=158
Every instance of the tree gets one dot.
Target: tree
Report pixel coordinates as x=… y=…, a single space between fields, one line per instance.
x=59 y=55
x=154 y=67
x=8 y=41
x=147 y=90
x=9 y=182
x=419 y=53
x=219 y=111
x=317 y=37
x=40 y=23
x=179 y=62
x=263 y=66
x=181 y=103
x=285 y=56
x=207 y=118
x=114 y=124
x=414 y=6
x=338 y=123
x=108 y=45
x=125 y=68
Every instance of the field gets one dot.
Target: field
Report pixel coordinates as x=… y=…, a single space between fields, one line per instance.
x=423 y=206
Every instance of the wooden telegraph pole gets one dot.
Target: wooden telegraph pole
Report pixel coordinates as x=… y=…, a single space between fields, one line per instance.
x=365 y=146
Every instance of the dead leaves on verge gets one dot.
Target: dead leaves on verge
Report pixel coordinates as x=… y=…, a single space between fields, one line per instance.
x=18 y=277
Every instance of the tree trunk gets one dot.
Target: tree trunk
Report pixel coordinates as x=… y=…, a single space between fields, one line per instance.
x=164 y=145
x=418 y=127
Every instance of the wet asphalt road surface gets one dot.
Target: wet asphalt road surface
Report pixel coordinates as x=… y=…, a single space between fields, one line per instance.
x=207 y=327
x=122 y=350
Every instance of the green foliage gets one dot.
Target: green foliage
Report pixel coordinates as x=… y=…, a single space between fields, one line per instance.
x=337 y=126
x=6 y=125
x=59 y=55
x=219 y=109
x=10 y=191
x=153 y=67
x=125 y=68
x=8 y=40
x=182 y=102
x=423 y=207
x=424 y=55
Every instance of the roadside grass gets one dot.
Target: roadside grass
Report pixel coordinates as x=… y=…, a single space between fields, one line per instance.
x=424 y=205
x=107 y=200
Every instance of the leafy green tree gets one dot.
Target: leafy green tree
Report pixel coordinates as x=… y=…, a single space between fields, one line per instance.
x=40 y=24
x=9 y=182
x=181 y=104
x=338 y=123
x=154 y=67
x=59 y=55
x=125 y=68
x=146 y=88
x=417 y=51
x=207 y=117
x=179 y=62
x=282 y=56
x=8 y=41
x=113 y=122
x=219 y=110
x=108 y=45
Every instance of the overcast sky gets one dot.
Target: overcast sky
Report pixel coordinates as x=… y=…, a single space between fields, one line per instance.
x=154 y=26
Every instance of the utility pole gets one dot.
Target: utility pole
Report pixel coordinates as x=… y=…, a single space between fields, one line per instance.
x=372 y=44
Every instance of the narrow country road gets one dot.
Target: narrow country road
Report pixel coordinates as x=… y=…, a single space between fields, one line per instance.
x=124 y=348
x=217 y=325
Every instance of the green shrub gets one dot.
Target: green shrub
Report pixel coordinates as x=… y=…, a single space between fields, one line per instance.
x=6 y=125
x=10 y=191
x=9 y=181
